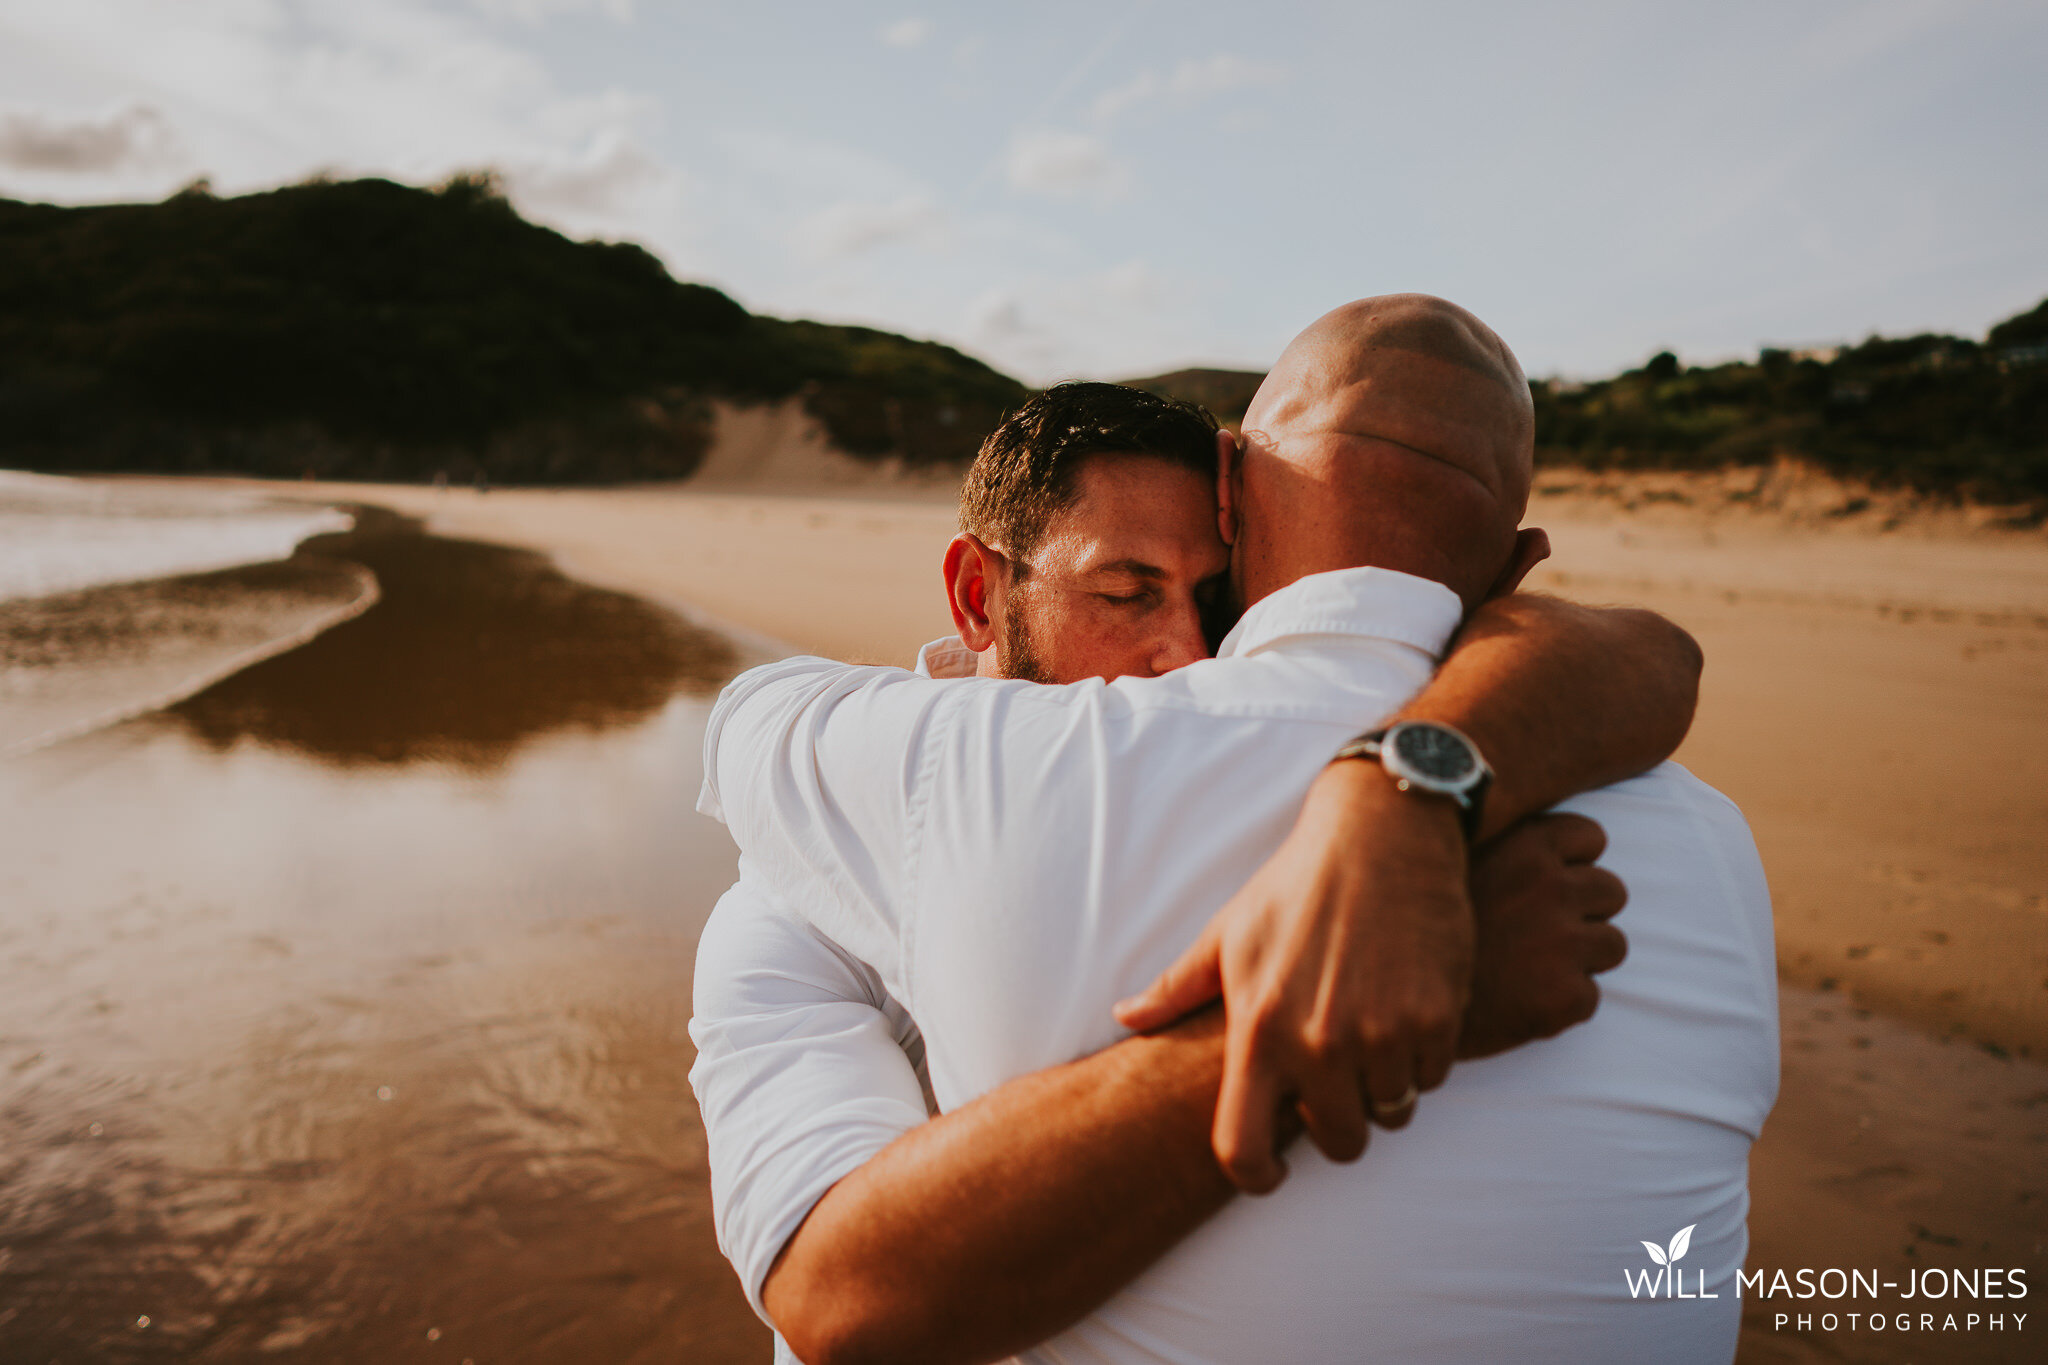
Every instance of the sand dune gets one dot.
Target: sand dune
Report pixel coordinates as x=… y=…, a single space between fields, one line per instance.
x=780 y=447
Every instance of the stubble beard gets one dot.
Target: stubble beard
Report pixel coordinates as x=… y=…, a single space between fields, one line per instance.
x=1016 y=656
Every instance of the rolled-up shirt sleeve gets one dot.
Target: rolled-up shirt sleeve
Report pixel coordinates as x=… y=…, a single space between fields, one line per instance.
x=805 y=1068
x=817 y=767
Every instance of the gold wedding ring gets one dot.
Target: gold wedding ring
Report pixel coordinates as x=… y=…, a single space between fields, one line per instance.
x=1405 y=1103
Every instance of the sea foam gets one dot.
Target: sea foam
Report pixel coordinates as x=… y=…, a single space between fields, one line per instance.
x=62 y=534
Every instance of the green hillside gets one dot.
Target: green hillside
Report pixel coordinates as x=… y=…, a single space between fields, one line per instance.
x=1938 y=413
x=370 y=330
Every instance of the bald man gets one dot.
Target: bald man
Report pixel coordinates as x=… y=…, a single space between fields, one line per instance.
x=1013 y=862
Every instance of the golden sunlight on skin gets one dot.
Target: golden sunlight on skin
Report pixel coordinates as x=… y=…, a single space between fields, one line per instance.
x=1118 y=584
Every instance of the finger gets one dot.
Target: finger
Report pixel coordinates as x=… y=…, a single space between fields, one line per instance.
x=1568 y=1003
x=1606 y=948
x=1433 y=1057
x=1243 y=1133
x=1602 y=894
x=1391 y=1082
x=1332 y=1104
x=1575 y=838
x=1587 y=1000
x=1194 y=980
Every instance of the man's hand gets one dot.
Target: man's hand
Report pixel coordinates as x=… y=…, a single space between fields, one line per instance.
x=1544 y=933
x=1344 y=965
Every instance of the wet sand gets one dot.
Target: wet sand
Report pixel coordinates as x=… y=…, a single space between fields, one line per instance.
x=76 y=661
x=347 y=999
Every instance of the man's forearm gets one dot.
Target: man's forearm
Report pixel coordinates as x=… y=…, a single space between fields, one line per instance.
x=1562 y=698
x=994 y=1226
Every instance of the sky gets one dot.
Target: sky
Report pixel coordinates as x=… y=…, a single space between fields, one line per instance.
x=1111 y=188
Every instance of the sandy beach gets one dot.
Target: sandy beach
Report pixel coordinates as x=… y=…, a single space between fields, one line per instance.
x=1875 y=699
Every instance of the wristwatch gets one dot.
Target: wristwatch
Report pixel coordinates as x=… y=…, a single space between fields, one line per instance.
x=1424 y=756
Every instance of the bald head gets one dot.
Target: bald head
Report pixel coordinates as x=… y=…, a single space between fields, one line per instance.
x=1396 y=431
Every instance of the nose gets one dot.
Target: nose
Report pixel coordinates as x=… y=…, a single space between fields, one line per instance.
x=1181 y=640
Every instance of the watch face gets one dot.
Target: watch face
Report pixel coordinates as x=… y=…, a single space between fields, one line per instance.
x=1434 y=753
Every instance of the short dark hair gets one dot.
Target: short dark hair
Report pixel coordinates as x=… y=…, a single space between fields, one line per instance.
x=1024 y=473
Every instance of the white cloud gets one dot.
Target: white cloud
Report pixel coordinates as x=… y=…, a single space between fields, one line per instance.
x=1101 y=323
x=996 y=316
x=534 y=11
x=1063 y=164
x=1135 y=284
x=604 y=181
x=1224 y=71
x=1192 y=79
x=1135 y=91
x=850 y=227
x=135 y=138
x=907 y=32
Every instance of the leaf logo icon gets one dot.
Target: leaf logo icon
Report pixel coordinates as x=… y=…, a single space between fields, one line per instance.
x=1656 y=1252
x=1681 y=1241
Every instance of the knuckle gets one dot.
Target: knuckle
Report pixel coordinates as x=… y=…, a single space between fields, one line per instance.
x=1322 y=1040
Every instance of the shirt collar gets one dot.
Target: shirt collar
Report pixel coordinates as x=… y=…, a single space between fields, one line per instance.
x=1382 y=603
x=946 y=657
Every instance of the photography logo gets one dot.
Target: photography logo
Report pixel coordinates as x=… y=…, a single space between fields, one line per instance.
x=1955 y=1295
x=1667 y=1280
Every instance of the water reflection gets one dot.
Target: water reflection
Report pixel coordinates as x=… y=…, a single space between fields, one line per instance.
x=471 y=650
x=310 y=1054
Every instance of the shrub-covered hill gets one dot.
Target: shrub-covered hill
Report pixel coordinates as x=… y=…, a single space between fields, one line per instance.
x=369 y=330
x=1941 y=414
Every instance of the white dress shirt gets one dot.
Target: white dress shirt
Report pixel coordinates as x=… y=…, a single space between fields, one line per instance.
x=1010 y=859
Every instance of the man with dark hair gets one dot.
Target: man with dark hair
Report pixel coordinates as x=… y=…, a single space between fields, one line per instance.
x=988 y=1228
x=1124 y=588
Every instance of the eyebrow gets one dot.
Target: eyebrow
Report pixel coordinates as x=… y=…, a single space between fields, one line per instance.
x=1137 y=568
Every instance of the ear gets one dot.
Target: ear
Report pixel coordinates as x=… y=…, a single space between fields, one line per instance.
x=971 y=569
x=1227 y=465
x=1532 y=547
